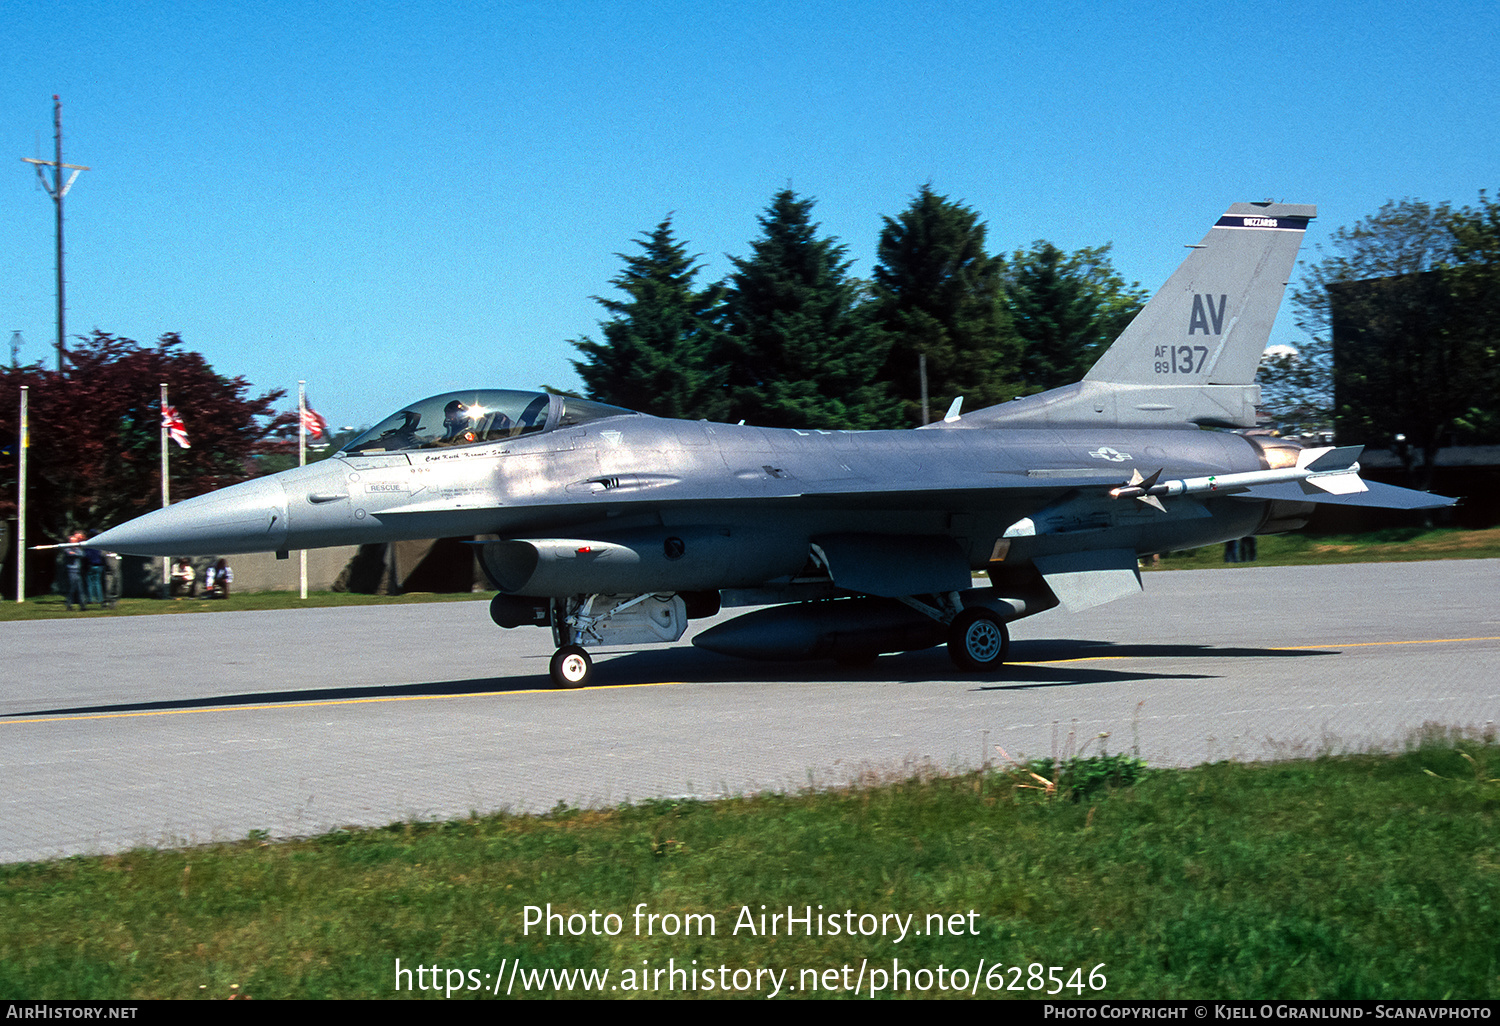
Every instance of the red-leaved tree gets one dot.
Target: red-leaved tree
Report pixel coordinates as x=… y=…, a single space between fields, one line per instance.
x=95 y=429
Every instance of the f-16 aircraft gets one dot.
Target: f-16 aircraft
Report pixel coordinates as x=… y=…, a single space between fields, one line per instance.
x=611 y=527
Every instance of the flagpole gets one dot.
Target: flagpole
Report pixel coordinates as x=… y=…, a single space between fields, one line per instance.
x=302 y=462
x=21 y=441
x=166 y=494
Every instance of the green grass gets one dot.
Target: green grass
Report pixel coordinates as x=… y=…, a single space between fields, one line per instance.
x=1358 y=876
x=1392 y=545
x=52 y=607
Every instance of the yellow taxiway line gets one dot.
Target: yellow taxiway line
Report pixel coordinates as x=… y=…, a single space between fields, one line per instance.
x=23 y=718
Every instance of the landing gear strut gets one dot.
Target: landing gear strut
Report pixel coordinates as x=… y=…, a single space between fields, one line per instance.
x=978 y=640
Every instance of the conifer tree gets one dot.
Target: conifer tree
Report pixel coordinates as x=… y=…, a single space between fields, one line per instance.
x=937 y=293
x=657 y=345
x=1067 y=309
x=798 y=350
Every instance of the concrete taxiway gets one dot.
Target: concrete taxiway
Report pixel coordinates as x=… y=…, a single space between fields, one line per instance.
x=176 y=730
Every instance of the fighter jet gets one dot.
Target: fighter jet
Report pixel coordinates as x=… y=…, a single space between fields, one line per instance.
x=610 y=527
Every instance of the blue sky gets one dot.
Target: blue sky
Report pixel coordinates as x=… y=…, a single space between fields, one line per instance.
x=392 y=199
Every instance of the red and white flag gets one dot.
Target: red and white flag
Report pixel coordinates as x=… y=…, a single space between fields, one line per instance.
x=174 y=425
x=313 y=422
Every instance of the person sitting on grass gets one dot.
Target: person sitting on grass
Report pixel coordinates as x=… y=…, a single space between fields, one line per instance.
x=184 y=579
x=216 y=580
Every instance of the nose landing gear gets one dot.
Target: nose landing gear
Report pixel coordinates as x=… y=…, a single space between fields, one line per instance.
x=571 y=667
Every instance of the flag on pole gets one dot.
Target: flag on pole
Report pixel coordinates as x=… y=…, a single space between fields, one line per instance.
x=174 y=425
x=313 y=422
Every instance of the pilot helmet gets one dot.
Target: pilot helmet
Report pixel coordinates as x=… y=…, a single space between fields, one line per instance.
x=456 y=421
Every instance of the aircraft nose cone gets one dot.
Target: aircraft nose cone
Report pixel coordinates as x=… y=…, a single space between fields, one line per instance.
x=249 y=517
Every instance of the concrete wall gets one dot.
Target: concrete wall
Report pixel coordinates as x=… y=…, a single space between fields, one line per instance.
x=256 y=571
x=442 y=565
x=262 y=571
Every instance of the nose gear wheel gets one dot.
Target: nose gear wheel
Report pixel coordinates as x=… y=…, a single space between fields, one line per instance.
x=571 y=667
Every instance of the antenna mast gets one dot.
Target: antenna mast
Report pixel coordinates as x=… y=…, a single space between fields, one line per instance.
x=58 y=189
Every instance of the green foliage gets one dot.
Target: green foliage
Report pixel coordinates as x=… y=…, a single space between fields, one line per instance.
x=1082 y=776
x=938 y=293
x=1067 y=309
x=1365 y=876
x=792 y=340
x=798 y=350
x=95 y=429
x=1295 y=389
x=1474 y=284
x=1398 y=544
x=1411 y=295
x=658 y=347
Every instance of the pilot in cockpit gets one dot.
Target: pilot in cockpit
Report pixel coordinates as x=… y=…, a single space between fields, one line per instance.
x=474 y=417
x=457 y=424
x=463 y=424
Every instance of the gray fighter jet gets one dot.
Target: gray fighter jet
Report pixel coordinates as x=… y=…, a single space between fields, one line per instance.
x=610 y=527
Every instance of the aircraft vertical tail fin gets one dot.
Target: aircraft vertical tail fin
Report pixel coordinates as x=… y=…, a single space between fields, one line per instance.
x=1191 y=354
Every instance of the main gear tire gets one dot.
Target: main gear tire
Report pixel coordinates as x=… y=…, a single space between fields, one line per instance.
x=978 y=640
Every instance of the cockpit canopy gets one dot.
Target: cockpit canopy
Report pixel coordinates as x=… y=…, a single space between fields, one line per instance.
x=476 y=416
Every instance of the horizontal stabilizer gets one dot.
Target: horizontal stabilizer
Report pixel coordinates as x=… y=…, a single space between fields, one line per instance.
x=1377 y=495
x=1342 y=483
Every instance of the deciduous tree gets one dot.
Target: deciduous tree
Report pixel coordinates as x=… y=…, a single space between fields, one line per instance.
x=95 y=432
x=1475 y=286
x=1405 y=304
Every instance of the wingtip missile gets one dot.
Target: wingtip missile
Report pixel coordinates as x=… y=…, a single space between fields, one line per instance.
x=1330 y=470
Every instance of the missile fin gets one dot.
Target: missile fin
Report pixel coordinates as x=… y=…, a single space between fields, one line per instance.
x=1329 y=459
x=1335 y=484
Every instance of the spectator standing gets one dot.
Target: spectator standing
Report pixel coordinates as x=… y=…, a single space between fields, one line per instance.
x=73 y=561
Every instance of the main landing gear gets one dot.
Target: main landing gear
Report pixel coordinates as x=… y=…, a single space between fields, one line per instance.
x=977 y=637
x=978 y=640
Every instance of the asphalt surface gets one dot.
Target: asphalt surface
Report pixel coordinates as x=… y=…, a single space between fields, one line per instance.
x=179 y=730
